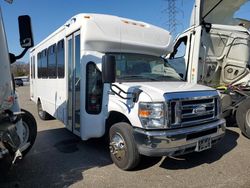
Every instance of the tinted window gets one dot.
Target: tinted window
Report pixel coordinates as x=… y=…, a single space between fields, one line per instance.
x=31 y=67
x=34 y=69
x=143 y=68
x=39 y=65
x=44 y=64
x=94 y=89
x=60 y=59
x=52 y=72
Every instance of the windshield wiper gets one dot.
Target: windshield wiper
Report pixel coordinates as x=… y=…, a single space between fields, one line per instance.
x=128 y=77
x=166 y=78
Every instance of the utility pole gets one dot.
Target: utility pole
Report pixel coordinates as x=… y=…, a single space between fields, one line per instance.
x=172 y=13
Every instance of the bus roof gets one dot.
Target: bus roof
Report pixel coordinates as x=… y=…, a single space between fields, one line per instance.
x=107 y=33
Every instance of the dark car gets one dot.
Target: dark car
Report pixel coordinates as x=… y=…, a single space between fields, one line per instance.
x=19 y=82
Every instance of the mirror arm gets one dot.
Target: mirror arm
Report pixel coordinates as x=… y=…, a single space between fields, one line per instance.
x=22 y=54
x=120 y=91
x=13 y=58
x=135 y=94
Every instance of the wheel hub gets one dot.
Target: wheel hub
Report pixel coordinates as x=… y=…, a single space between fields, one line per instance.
x=117 y=146
x=25 y=132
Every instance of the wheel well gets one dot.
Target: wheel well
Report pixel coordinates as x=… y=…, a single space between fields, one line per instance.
x=115 y=117
x=38 y=100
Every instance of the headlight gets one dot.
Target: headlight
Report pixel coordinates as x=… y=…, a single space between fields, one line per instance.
x=152 y=115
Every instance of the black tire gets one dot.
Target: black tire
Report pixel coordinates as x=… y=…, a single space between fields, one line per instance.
x=43 y=115
x=130 y=155
x=243 y=117
x=5 y=165
x=29 y=123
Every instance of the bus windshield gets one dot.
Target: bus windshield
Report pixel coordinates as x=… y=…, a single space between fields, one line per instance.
x=143 y=68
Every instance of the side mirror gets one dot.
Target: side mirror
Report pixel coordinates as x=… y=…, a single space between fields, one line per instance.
x=108 y=69
x=25 y=31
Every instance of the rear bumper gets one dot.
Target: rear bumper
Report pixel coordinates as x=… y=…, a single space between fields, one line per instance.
x=178 y=141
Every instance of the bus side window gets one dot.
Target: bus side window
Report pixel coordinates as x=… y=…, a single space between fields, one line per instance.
x=52 y=61
x=39 y=65
x=44 y=64
x=33 y=67
x=94 y=89
x=60 y=59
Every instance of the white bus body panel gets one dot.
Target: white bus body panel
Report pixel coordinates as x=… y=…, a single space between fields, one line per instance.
x=5 y=84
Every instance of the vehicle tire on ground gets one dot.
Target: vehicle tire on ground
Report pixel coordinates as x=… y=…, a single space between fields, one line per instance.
x=30 y=130
x=5 y=165
x=243 y=117
x=43 y=115
x=123 y=149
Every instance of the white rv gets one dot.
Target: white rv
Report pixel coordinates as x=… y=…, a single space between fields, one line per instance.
x=215 y=51
x=104 y=74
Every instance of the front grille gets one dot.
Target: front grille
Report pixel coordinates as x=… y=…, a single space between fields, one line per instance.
x=184 y=112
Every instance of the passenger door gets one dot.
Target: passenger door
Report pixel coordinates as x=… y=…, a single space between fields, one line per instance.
x=32 y=77
x=95 y=102
x=74 y=80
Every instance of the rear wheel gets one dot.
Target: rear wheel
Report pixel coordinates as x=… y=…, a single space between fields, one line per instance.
x=123 y=149
x=43 y=115
x=243 y=117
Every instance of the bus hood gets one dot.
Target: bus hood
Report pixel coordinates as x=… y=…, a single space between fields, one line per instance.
x=156 y=90
x=216 y=12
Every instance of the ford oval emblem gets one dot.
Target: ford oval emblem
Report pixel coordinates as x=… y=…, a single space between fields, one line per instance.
x=199 y=110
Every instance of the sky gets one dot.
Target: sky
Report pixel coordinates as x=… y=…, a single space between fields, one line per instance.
x=48 y=15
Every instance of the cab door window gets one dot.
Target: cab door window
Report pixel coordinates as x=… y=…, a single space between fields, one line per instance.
x=177 y=58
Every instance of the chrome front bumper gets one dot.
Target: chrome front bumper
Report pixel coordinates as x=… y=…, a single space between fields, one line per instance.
x=177 y=141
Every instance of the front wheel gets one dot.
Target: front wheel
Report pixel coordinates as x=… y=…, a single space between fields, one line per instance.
x=29 y=130
x=243 y=117
x=123 y=149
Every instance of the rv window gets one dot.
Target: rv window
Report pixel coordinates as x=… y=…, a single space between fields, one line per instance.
x=34 y=69
x=44 y=65
x=52 y=73
x=60 y=59
x=94 y=89
x=31 y=67
x=39 y=64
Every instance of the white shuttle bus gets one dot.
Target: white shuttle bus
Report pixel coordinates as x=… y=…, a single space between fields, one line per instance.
x=104 y=74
